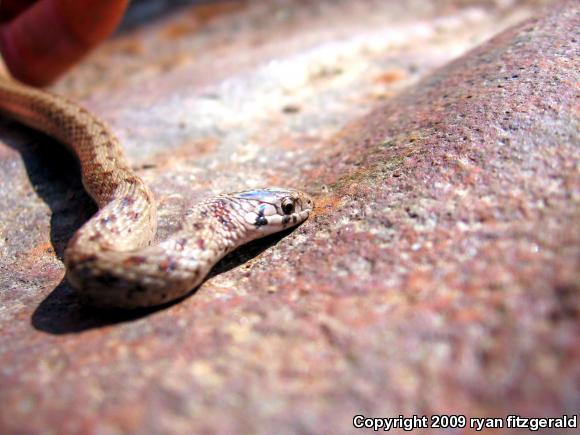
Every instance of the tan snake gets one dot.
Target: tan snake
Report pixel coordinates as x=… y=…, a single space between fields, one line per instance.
x=113 y=260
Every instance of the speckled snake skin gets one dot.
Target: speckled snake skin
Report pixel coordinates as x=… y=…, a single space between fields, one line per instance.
x=113 y=260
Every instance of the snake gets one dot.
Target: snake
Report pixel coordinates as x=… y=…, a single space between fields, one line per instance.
x=114 y=260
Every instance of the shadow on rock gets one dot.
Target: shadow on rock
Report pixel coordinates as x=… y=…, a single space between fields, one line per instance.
x=141 y=13
x=63 y=312
x=55 y=177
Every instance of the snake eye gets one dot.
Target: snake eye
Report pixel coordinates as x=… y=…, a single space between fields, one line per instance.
x=287 y=205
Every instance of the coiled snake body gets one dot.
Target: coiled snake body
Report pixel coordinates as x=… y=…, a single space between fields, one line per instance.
x=112 y=260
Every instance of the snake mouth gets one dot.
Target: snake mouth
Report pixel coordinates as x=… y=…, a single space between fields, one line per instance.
x=288 y=221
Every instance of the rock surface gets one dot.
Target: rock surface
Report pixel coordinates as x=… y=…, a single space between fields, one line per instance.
x=439 y=274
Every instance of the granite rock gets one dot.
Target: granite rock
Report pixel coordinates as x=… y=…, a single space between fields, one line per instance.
x=439 y=273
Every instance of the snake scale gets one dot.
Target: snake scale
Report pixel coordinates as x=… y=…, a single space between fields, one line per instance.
x=113 y=260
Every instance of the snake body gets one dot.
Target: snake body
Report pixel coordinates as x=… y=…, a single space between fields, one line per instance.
x=113 y=260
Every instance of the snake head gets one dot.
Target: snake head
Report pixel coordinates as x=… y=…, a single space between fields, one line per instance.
x=267 y=211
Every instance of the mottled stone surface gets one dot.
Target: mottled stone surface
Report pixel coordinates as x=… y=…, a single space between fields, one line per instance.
x=439 y=274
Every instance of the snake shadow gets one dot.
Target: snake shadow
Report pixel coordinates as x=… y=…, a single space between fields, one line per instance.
x=62 y=311
x=55 y=176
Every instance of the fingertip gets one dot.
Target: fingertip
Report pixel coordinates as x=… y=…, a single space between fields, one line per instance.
x=89 y=22
x=52 y=35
